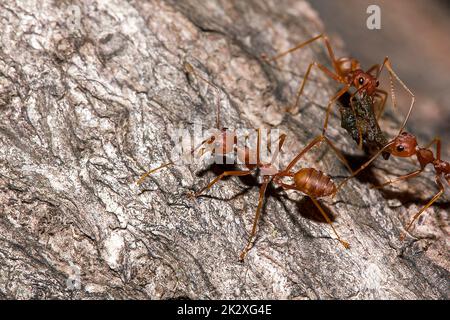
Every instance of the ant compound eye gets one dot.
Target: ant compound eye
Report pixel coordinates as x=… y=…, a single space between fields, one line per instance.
x=377 y=83
x=404 y=133
x=400 y=148
x=361 y=80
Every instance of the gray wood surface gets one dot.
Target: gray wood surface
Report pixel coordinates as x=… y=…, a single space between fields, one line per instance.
x=87 y=105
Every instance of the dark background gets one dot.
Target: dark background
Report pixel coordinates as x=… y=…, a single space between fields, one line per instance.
x=415 y=36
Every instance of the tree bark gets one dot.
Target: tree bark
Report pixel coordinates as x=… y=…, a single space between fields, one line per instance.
x=88 y=96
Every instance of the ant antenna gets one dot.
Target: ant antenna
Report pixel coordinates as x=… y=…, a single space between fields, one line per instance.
x=190 y=69
x=145 y=175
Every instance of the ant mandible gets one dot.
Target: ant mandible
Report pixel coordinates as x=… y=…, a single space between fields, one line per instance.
x=405 y=146
x=348 y=72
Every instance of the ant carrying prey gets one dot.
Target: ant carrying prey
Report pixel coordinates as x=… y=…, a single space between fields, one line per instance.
x=348 y=72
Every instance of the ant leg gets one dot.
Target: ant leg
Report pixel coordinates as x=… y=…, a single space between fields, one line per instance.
x=330 y=105
x=375 y=67
x=416 y=216
x=365 y=165
x=436 y=141
x=281 y=141
x=145 y=175
x=392 y=73
x=221 y=176
x=324 y=69
x=258 y=147
x=335 y=76
x=262 y=191
x=303 y=44
x=344 y=243
x=208 y=141
x=338 y=154
x=400 y=178
x=315 y=141
x=383 y=96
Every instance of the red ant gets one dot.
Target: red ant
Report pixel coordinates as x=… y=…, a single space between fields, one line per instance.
x=314 y=183
x=348 y=72
x=405 y=146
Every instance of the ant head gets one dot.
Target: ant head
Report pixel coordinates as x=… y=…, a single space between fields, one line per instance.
x=365 y=80
x=404 y=145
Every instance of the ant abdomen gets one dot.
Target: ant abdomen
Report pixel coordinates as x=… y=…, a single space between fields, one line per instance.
x=346 y=65
x=314 y=182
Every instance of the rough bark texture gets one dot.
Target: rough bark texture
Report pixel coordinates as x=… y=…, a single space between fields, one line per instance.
x=85 y=111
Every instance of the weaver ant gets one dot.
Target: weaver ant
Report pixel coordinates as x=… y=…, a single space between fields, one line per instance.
x=348 y=72
x=405 y=146
x=312 y=182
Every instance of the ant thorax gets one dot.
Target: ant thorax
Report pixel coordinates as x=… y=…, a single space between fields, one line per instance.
x=425 y=157
x=268 y=170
